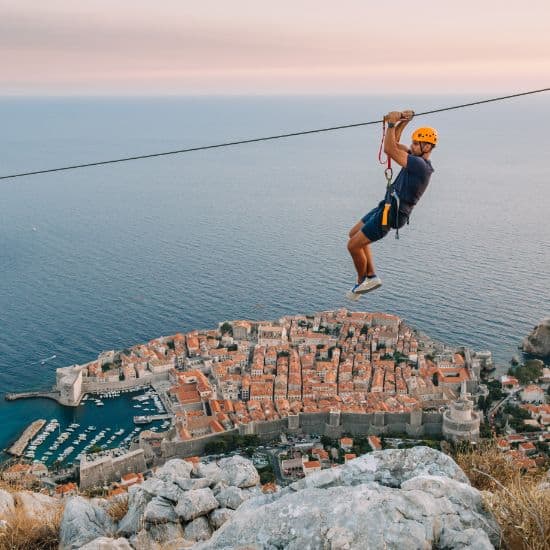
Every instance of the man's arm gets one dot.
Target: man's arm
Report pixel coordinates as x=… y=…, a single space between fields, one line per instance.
x=406 y=117
x=392 y=147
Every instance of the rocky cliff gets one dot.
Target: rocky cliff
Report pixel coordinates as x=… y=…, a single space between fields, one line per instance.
x=412 y=498
x=538 y=342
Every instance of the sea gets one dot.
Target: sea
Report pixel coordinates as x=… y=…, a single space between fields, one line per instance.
x=106 y=257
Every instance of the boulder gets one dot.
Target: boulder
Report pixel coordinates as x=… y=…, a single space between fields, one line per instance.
x=82 y=522
x=38 y=506
x=390 y=468
x=164 y=533
x=144 y=541
x=192 y=484
x=7 y=504
x=210 y=471
x=220 y=486
x=239 y=471
x=400 y=498
x=160 y=510
x=106 y=543
x=133 y=521
x=159 y=488
x=198 y=529
x=196 y=503
x=174 y=469
x=538 y=341
x=231 y=497
x=219 y=516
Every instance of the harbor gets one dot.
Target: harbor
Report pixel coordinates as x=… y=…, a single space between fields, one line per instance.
x=102 y=421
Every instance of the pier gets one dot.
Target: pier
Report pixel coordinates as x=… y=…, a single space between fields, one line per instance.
x=150 y=417
x=25 y=395
x=19 y=446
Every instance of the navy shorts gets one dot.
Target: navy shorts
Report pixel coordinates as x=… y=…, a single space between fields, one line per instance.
x=372 y=228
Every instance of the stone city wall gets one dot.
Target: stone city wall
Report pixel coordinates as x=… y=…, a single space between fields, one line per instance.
x=269 y=430
x=313 y=422
x=432 y=423
x=108 y=469
x=192 y=447
x=416 y=423
x=89 y=385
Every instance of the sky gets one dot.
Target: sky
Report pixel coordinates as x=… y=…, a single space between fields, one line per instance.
x=210 y=47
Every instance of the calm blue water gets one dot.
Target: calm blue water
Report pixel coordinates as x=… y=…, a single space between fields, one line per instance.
x=107 y=257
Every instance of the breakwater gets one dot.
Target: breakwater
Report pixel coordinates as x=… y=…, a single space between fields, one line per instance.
x=55 y=395
x=19 y=446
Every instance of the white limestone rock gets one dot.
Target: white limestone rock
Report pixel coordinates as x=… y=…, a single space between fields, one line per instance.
x=192 y=484
x=160 y=510
x=159 y=488
x=219 y=516
x=231 y=497
x=469 y=539
x=144 y=541
x=196 y=503
x=373 y=502
x=133 y=521
x=220 y=486
x=38 y=506
x=198 y=529
x=239 y=471
x=173 y=469
x=390 y=467
x=163 y=533
x=7 y=504
x=83 y=522
x=106 y=543
x=211 y=471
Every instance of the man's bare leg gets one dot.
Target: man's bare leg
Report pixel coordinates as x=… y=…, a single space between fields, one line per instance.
x=358 y=247
x=366 y=259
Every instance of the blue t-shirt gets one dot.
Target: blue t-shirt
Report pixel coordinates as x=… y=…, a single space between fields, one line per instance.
x=412 y=181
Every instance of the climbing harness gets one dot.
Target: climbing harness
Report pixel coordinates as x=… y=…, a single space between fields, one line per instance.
x=388 y=173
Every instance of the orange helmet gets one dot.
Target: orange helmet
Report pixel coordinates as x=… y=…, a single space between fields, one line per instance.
x=427 y=135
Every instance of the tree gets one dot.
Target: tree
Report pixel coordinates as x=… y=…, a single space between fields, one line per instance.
x=106 y=366
x=249 y=451
x=226 y=328
x=399 y=357
x=250 y=441
x=266 y=474
x=485 y=430
x=530 y=372
x=215 y=447
x=495 y=391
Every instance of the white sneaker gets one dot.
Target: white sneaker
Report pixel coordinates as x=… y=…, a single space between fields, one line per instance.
x=352 y=296
x=369 y=284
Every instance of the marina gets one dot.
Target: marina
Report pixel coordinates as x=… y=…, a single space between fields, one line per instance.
x=102 y=421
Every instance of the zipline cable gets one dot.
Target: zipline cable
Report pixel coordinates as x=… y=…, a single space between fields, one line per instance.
x=268 y=138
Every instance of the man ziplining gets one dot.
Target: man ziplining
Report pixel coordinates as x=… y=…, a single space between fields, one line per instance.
x=401 y=197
